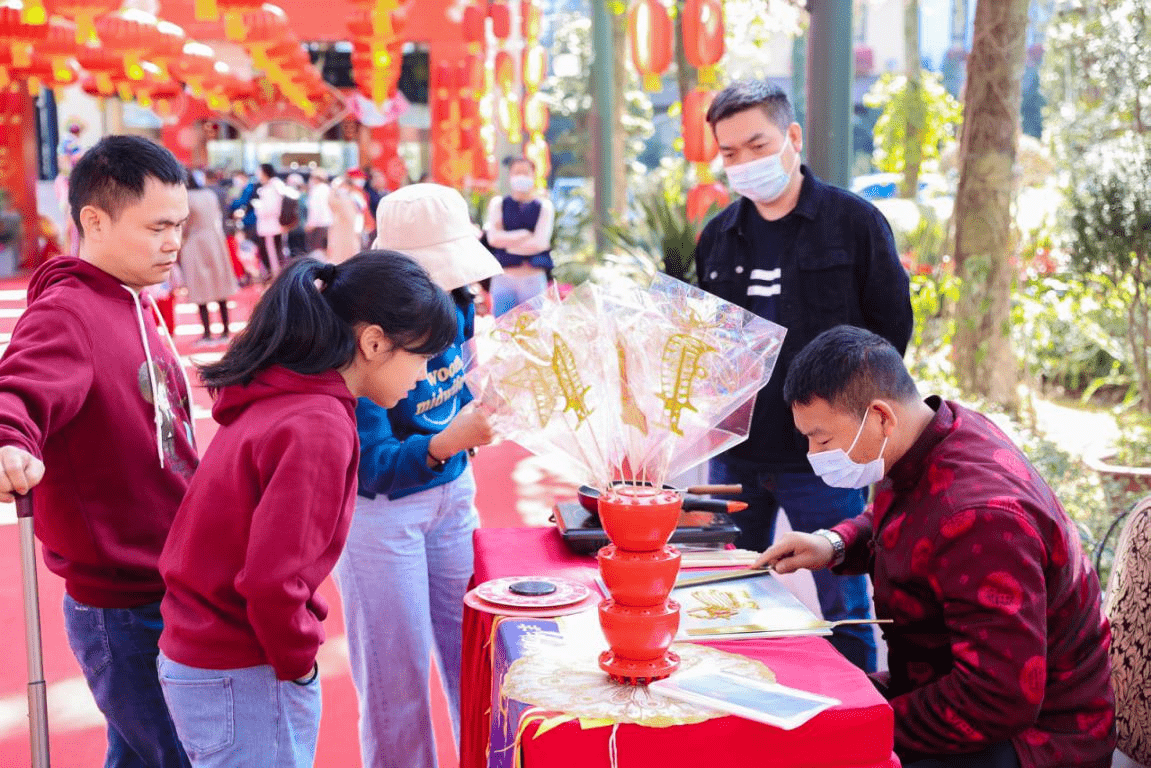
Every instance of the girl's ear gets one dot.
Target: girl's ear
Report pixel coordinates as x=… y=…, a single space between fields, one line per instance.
x=373 y=342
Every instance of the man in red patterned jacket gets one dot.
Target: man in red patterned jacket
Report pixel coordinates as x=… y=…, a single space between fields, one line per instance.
x=998 y=644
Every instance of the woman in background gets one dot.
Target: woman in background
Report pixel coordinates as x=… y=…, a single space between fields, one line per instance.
x=204 y=259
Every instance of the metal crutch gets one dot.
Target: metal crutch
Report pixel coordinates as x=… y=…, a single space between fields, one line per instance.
x=37 y=693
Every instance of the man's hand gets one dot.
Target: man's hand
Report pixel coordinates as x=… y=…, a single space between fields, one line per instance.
x=797 y=550
x=470 y=428
x=20 y=471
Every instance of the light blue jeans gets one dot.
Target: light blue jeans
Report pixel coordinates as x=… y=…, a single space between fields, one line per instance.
x=509 y=290
x=233 y=717
x=402 y=579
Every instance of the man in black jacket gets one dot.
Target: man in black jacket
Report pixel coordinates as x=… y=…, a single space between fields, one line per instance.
x=808 y=256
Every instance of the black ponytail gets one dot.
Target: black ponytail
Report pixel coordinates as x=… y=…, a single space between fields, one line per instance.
x=310 y=328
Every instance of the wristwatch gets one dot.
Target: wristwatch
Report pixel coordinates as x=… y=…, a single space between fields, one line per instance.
x=838 y=548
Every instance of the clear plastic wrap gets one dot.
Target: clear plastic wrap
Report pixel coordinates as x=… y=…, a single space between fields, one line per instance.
x=631 y=383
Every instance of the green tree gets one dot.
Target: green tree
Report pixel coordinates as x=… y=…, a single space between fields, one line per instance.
x=984 y=360
x=941 y=117
x=1110 y=228
x=1096 y=75
x=915 y=123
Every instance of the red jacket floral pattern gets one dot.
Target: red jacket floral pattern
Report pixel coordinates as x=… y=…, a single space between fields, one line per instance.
x=998 y=629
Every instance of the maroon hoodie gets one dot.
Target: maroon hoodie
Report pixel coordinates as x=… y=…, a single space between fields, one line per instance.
x=262 y=525
x=75 y=390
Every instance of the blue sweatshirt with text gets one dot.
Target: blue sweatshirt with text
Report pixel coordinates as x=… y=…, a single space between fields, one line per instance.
x=394 y=441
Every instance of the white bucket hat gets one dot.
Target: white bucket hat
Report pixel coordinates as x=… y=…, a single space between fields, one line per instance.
x=430 y=223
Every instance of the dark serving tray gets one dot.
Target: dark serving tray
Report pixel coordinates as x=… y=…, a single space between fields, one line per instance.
x=582 y=533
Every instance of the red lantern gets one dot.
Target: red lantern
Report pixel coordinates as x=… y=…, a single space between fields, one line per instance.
x=535 y=67
x=105 y=67
x=473 y=76
x=530 y=18
x=59 y=47
x=505 y=71
x=132 y=33
x=702 y=198
x=703 y=32
x=473 y=24
x=83 y=12
x=649 y=30
x=698 y=141
x=14 y=26
x=195 y=63
x=501 y=16
x=234 y=11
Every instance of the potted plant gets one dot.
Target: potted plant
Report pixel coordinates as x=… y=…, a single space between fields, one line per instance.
x=659 y=236
x=1110 y=237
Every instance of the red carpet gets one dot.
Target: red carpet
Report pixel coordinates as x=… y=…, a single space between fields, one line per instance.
x=514 y=489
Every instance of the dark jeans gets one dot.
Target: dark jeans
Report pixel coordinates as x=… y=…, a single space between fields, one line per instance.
x=1001 y=755
x=117 y=649
x=810 y=504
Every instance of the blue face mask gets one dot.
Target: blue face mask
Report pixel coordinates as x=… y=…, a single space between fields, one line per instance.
x=762 y=180
x=838 y=470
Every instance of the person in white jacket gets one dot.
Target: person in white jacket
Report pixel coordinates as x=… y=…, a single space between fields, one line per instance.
x=270 y=233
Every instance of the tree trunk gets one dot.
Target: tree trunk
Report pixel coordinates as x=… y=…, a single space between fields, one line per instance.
x=984 y=362
x=619 y=95
x=686 y=76
x=916 y=102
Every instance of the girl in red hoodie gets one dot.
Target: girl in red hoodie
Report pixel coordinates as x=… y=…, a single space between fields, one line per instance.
x=266 y=514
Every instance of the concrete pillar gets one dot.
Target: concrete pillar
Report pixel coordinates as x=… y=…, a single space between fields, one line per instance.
x=830 y=64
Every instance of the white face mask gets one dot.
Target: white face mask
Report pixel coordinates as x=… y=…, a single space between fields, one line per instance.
x=761 y=180
x=520 y=183
x=838 y=470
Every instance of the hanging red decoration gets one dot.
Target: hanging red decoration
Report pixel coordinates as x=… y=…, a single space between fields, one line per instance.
x=703 y=198
x=538 y=152
x=132 y=33
x=234 y=11
x=59 y=47
x=505 y=71
x=703 y=32
x=473 y=24
x=531 y=16
x=14 y=26
x=510 y=117
x=473 y=76
x=650 y=34
x=105 y=66
x=501 y=16
x=698 y=141
x=535 y=67
x=83 y=12
x=536 y=114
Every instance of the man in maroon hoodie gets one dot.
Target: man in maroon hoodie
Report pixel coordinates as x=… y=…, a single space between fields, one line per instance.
x=998 y=647
x=95 y=413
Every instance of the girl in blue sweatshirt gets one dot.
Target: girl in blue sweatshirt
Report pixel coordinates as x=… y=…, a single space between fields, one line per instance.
x=408 y=558
x=267 y=512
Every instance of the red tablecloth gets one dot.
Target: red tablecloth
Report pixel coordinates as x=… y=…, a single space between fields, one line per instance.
x=856 y=734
